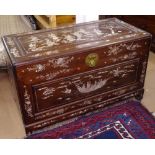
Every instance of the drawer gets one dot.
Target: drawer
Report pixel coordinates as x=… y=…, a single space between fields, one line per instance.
x=58 y=67
x=56 y=93
x=82 y=107
x=95 y=99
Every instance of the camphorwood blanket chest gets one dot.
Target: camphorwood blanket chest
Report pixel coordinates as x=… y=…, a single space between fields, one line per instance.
x=68 y=71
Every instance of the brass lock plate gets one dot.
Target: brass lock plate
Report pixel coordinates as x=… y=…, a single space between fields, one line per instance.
x=92 y=59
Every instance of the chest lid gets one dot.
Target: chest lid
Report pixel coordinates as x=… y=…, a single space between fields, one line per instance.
x=32 y=46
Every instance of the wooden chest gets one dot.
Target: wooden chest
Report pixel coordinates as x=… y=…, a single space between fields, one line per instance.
x=68 y=71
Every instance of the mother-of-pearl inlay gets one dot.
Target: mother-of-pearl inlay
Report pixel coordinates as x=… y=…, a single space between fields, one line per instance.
x=44 y=44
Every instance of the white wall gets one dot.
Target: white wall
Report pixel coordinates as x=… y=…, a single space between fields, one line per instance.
x=86 y=18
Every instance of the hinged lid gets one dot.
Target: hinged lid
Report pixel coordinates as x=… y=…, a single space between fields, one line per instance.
x=36 y=45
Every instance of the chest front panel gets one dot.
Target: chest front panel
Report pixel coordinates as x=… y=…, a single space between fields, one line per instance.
x=53 y=84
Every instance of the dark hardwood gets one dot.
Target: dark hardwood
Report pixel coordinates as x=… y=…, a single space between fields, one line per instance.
x=68 y=71
x=145 y=22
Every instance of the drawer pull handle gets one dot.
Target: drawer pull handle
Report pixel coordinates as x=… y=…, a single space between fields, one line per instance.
x=92 y=59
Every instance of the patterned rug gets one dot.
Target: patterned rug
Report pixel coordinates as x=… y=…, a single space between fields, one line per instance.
x=125 y=121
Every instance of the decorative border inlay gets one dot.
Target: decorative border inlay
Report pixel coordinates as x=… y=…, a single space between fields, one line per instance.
x=12 y=47
x=28 y=104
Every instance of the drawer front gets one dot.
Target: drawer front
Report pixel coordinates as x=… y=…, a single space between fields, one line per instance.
x=95 y=99
x=82 y=107
x=56 y=93
x=72 y=64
